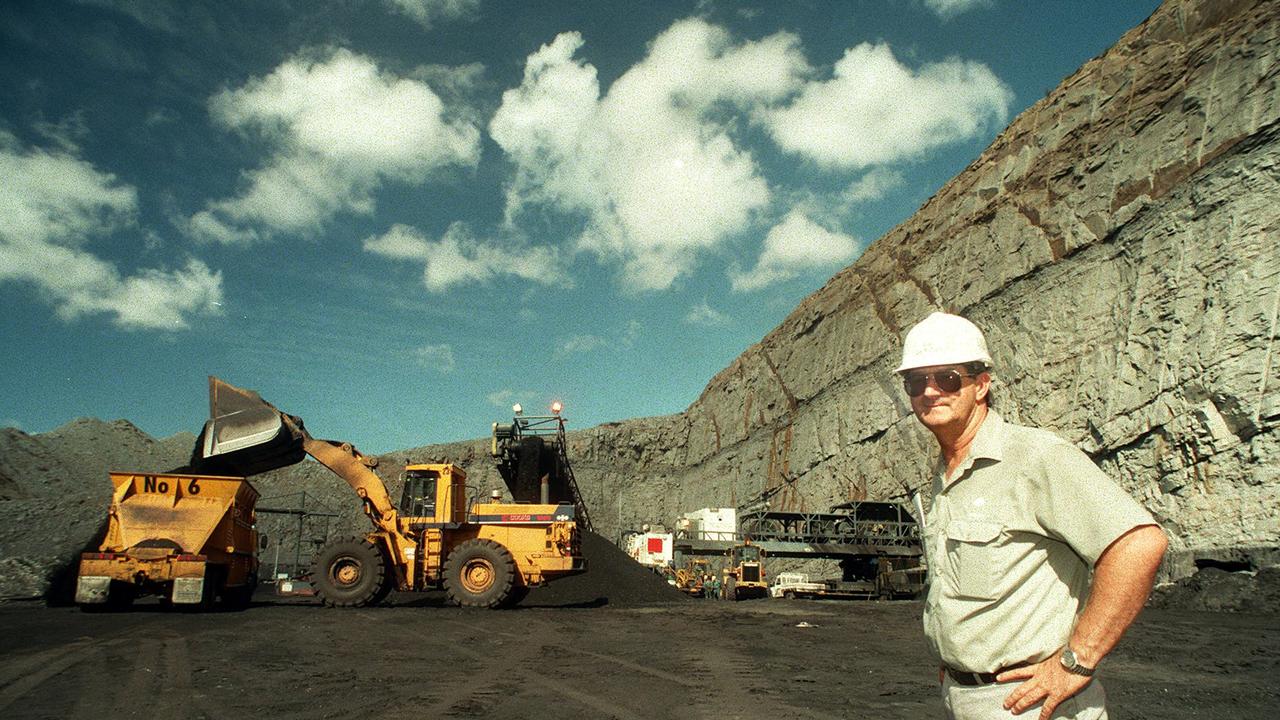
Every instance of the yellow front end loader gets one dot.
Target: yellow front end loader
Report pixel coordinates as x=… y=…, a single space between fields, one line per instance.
x=483 y=555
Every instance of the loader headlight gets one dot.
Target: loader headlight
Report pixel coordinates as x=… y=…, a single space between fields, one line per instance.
x=517 y=409
x=556 y=407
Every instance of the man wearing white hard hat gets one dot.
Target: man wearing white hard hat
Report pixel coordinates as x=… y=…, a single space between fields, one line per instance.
x=1038 y=561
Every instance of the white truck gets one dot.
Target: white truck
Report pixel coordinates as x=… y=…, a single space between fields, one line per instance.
x=791 y=585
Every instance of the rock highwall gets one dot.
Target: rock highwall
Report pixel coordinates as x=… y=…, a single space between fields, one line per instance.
x=1118 y=244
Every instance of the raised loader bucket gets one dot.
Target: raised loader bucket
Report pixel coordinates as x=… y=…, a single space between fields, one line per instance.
x=245 y=435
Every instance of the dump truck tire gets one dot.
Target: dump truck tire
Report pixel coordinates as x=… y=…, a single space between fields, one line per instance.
x=239 y=598
x=479 y=573
x=348 y=573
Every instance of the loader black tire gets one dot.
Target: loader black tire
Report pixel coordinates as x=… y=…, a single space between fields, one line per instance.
x=518 y=593
x=349 y=573
x=731 y=589
x=479 y=573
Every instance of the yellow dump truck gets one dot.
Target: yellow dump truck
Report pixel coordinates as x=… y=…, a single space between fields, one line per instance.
x=186 y=538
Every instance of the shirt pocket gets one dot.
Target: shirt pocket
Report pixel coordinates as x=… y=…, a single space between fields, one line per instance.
x=973 y=556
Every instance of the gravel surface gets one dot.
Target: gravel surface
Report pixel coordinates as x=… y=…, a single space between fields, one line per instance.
x=772 y=660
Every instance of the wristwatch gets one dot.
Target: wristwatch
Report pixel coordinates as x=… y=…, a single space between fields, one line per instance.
x=1069 y=661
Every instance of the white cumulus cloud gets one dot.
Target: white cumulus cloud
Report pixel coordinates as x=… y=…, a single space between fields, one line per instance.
x=875 y=110
x=52 y=204
x=947 y=9
x=427 y=12
x=580 y=344
x=507 y=397
x=872 y=186
x=436 y=357
x=795 y=245
x=650 y=168
x=704 y=314
x=459 y=258
x=338 y=127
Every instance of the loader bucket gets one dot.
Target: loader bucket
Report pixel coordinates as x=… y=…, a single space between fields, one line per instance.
x=245 y=435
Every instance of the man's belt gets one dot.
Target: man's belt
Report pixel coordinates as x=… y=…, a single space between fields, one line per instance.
x=972 y=679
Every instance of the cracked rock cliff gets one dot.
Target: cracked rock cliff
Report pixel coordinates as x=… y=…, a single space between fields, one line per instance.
x=1120 y=244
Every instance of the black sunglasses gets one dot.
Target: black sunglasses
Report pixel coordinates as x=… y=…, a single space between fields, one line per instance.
x=947 y=381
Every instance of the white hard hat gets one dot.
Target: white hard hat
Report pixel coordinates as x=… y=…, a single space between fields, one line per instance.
x=943 y=339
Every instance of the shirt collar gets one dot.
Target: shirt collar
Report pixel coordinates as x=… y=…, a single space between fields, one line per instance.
x=988 y=444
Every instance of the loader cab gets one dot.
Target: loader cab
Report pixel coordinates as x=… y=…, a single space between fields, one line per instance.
x=435 y=492
x=419 y=497
x=740 y=555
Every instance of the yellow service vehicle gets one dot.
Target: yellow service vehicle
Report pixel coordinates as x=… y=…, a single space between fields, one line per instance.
x=187 y=538
x=689 y=579
x=483 y=554
x=744 y=575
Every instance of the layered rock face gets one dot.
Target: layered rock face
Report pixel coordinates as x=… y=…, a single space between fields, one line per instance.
x=1119 y=245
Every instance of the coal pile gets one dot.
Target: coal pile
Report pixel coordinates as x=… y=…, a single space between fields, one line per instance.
x=612 y=578
x=1218 y=590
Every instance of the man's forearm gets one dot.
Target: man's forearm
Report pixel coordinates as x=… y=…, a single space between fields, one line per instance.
x=1122 y=580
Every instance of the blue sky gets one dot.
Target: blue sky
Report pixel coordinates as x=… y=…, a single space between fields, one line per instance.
x=396 y=217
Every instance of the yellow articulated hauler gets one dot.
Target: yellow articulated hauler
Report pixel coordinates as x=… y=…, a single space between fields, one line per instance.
x=187 y=538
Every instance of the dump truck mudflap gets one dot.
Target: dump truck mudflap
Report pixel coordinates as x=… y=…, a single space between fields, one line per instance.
x=92 y=590
x=188 y=590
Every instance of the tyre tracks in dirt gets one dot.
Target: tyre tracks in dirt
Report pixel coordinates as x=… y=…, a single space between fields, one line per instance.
x=27 y=673
x=715 y=678
x=151 y=676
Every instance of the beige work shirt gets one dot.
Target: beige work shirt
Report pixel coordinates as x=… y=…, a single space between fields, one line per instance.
x=1011 y=541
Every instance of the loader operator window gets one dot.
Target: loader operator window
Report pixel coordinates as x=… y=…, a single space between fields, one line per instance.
x=419 y=499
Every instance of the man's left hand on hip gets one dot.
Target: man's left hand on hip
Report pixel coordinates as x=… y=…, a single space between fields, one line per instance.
x=1047 y=681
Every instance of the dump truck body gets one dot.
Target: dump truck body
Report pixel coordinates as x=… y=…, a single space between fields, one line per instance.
x=187 y=538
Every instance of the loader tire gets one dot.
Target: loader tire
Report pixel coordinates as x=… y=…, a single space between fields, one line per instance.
x=479 y=573
x=731 y=589
x=349 y=573
x=518 y=593
x=388 y=584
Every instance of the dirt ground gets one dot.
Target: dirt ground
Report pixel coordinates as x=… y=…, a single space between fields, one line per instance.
x=775 y=659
